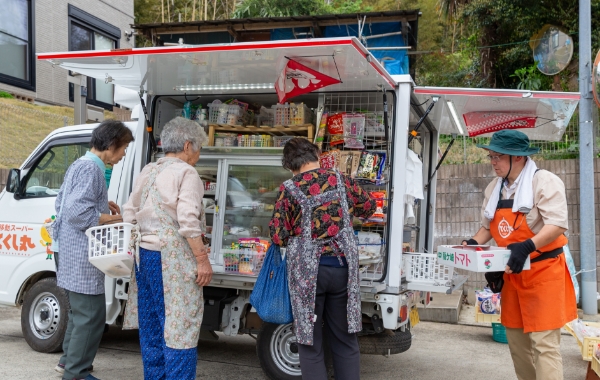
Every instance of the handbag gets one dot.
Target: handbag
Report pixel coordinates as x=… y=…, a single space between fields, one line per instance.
x=495 y=281
x=271 y=295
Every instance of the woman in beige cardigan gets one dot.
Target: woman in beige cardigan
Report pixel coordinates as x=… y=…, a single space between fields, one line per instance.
x=173 y=266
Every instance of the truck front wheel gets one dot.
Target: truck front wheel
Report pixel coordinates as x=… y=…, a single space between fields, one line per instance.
x=44 y=316
x=278 y=352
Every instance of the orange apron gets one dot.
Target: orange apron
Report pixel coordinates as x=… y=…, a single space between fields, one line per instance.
x=539 y=299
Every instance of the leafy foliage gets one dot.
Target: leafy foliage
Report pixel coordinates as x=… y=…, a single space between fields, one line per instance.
x=6 y=95
x=289 y=8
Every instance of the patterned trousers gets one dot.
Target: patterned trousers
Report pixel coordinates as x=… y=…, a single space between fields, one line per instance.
x=160 y=361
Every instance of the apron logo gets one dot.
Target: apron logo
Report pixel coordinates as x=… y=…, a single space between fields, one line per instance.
x=504 y=228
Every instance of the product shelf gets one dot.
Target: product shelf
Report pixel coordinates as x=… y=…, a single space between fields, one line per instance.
x=306 y=130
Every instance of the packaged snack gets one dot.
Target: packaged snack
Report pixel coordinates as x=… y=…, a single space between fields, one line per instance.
x=335 y=128
x=488 y=302
x=320 y=135
x=354 y=130
x=349 y=161
x=381 y=206
x=369 y=245
x=330 y=159
x=371 y=166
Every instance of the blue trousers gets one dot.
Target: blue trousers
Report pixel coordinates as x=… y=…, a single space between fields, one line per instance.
x=160 y=361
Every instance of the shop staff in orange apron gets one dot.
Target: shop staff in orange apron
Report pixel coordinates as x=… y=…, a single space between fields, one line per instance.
x=525 y=210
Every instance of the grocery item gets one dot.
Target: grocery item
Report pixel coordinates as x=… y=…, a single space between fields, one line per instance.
x=381 y=206
x=369 y=245
x=488 y=302
x=330 y=159
x=335 y=128
x=187 y=110
x=371 y=166
x=354 y=130
x=320 y=135
x=349 y=161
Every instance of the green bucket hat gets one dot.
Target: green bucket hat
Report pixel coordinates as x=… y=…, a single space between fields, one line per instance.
x=511 y=142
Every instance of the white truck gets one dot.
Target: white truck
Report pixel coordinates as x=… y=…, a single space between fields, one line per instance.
x=241 y=182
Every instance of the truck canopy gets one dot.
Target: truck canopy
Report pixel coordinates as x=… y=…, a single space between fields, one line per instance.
x=474 y=112
x=237 y=68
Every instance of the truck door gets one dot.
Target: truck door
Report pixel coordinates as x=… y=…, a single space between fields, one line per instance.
x=24 y=244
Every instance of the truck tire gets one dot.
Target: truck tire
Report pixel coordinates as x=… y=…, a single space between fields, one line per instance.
x=44 y=316
x=386 y=343
x=277 y=352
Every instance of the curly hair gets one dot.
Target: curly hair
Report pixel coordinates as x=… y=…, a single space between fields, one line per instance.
x=179 y=130
x=109 y=133
x=298 y=152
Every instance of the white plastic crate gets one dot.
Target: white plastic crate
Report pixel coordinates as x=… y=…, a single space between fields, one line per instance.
x=242 y=261
x=424 y=268
x=108 y=249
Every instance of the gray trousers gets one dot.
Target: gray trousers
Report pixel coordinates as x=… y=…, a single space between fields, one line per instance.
x=330 y=307
x=87 y=317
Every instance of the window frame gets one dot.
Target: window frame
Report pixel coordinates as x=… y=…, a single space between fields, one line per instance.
x=22 y=83
x=32 y=166
x=95 y=25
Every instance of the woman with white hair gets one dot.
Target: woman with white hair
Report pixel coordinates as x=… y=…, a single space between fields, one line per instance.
x=173 y=265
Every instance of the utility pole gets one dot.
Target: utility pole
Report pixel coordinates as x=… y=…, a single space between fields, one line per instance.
x=587 y=229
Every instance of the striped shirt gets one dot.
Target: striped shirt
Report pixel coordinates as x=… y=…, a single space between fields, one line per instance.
x=85 y=199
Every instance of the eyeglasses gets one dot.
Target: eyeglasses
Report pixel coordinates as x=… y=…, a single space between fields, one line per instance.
x=495 y=158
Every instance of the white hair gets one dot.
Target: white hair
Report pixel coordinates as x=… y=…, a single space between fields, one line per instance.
x=180 y=130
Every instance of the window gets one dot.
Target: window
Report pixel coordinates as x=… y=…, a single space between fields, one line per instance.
x=16 y=44
x=86 y=32
x=46 y=177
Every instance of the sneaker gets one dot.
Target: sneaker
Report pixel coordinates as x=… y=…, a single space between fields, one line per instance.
x=60 y=368
x=89 y=377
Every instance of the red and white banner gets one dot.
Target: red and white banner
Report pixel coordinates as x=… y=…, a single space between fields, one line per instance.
x=479 y=123
x=296 y=79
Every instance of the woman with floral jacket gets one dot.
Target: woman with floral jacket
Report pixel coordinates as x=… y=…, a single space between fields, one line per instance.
x=313 y=219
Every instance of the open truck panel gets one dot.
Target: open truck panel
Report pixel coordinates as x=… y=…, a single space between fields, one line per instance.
x=242 y=181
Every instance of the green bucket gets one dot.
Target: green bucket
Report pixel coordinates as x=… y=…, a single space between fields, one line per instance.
x=499 y=333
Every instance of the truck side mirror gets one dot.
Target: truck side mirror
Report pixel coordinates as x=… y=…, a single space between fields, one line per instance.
x=13 y=183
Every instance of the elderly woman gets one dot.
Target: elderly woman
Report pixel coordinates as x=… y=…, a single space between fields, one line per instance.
x=82 y=202
x=173 y=266
x=313 y=218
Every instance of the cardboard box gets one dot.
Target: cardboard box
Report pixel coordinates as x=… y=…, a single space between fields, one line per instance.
x=476 y=258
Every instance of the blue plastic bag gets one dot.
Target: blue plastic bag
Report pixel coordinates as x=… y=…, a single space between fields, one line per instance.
x=271 y=295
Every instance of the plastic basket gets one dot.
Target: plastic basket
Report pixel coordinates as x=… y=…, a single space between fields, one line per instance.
x=486 y=318
x=424 y=268
x=265 y=117
x=300 y=114
x=588 y=344
x=221 y=113
x=499 y=333
x=225 y=139
x=108 y=249
x=596 y=365
x=282 y=114
x=242 y=261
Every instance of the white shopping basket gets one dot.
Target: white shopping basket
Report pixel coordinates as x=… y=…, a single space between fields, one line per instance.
x=109 y=251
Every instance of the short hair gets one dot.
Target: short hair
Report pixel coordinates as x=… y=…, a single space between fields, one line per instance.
x=110 y=133
x=298 y=152
x=179 y=130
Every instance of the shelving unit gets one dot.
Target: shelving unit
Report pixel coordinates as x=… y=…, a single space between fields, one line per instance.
x=306 y=130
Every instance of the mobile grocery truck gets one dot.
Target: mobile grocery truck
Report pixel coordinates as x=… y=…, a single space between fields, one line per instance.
x=241 y=171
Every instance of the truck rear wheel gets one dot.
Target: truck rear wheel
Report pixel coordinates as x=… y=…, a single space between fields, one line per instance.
x=278 y=352
x=386 y=343
x=44 y=316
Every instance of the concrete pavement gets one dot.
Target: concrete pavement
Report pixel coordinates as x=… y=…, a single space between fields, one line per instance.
x=439 y=351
